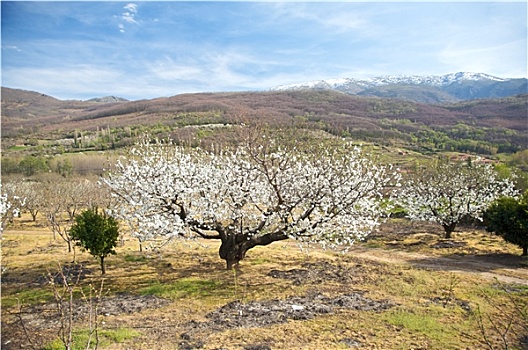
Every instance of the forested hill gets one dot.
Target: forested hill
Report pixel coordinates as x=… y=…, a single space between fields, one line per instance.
x=501 y=121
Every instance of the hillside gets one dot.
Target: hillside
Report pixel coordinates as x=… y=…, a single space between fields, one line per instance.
x=21 y=104
x=494 y=122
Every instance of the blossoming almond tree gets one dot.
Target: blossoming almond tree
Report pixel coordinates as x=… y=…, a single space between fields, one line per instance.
x=255 y=195
x=447 y=192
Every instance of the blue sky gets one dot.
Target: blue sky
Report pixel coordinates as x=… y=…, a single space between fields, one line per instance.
x=80 y=50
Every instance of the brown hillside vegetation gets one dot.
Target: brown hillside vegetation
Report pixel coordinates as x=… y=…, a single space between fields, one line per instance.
x=22 y=109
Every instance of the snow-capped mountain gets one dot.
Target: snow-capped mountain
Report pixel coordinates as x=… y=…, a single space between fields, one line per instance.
x=427 y=88
x=107 y=99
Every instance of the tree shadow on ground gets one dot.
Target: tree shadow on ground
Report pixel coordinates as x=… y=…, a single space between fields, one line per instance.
x=475 y=263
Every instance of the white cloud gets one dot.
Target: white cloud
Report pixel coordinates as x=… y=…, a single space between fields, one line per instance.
x=344 y=19
x=131 y=8
x=128 y=16
x=169 y=70
x=502 y=59
x=12 y=47
x=62 y=81
x=224 y=70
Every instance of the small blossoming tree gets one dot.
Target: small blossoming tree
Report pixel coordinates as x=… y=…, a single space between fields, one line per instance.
x=260 y=193
x=448 y=192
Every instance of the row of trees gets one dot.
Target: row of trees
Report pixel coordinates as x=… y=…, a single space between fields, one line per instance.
x=271 y=188
x=56 y=199
x=66 y=166
x=28 y=166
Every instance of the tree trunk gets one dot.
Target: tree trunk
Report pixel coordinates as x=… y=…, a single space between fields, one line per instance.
x=69 y=246
x=231 y=251
x=232 y=264
x=103 y=270
x=525 y=250
x=235 y=246
x=449 y=228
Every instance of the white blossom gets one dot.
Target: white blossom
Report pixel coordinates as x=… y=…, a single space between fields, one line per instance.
x=333 y=198
x=446 y=193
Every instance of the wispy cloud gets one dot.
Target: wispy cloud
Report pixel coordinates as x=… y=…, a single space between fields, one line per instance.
x=167 y=69
x=79 y=79
x=128 y=16
x=209 y=71
x=345 y=19
x=496 y=59
x=11 y=47
x=224 y=70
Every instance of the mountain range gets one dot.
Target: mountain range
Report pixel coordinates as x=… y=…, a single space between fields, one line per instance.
x=447 y=88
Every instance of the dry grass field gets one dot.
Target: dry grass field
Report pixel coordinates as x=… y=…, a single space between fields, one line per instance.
x=404 y=288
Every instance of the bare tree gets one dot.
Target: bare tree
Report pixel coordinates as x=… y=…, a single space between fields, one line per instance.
x=28 y=195
x=64 y=199
x=505 y=323
x=64 y=287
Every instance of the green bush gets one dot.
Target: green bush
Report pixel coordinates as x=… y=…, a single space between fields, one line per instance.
x=508 y=217
x=97 y=233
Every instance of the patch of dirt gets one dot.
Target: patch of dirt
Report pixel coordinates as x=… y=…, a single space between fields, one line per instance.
x=398 y=229
x=44 y=318
x=116 y=305
x=257 y=347
x=237 y=314
x=446 y=244
x=72 y=272
x=447 y=301
x=316 y=273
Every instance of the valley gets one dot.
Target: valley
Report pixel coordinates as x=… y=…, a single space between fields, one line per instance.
x=402 y=287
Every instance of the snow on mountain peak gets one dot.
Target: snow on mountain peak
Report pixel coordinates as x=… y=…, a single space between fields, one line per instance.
x=433 y=80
